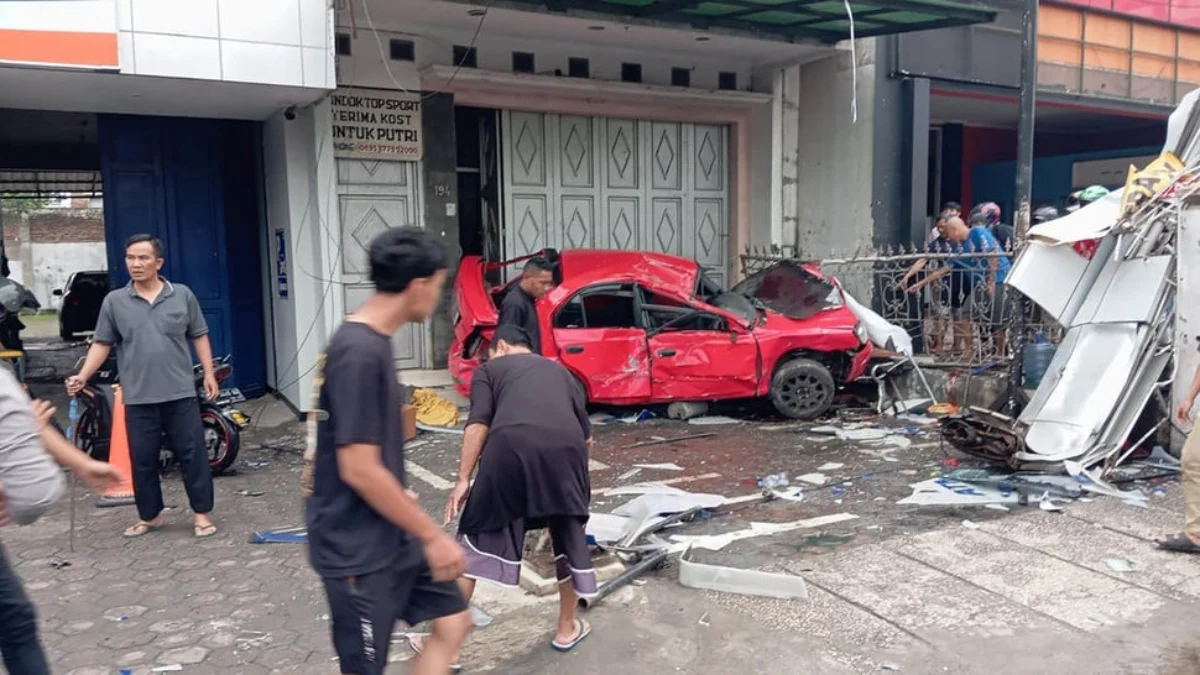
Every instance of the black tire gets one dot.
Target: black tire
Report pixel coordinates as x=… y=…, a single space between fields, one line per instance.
x=87 y=430
x=802 y=389
x=222 y=440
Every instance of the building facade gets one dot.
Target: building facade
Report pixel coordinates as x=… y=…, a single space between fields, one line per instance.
x=267 y=142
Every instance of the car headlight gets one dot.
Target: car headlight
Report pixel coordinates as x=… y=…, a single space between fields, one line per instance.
x=860 y=332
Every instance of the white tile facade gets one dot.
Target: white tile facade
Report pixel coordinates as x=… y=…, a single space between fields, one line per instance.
x=275 y=42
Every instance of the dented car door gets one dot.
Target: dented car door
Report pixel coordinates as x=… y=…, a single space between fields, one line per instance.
x=599 y=339
x=698 y=352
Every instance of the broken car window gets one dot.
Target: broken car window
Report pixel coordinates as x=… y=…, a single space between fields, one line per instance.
x=606 y=307
x=791 y=290
x=706 y=289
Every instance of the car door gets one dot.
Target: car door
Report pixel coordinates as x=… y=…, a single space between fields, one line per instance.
x=697 y=352
x=600 y=339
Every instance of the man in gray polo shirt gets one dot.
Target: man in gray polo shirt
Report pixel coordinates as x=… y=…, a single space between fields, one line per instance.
x=151 y=321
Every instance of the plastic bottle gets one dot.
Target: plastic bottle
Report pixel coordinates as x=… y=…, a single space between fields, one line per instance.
x=1038 y=355
x=73 y=417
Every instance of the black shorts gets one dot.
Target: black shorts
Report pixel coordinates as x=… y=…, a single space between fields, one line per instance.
x=363 y=611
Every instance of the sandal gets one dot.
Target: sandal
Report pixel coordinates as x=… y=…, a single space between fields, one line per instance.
x=1179 y=543
x=584 y=630
x=417 y=644
x=141 y=529
x=203 y=531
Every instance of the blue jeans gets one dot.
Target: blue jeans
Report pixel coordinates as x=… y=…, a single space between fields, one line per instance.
x=18 y=626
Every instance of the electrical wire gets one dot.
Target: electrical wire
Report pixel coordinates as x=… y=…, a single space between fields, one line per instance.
x=458 y=67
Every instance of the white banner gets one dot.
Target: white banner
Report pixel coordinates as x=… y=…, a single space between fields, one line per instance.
x=376 y=124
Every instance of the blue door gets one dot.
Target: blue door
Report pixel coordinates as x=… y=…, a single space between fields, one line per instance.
x=163 y=176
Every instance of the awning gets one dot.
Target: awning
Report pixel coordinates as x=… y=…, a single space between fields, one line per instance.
x=789 y=20
x=17 y=184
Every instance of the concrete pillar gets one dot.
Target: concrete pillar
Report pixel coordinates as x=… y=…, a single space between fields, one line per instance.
x=439 y=167
x=25 y=234
x=834 y=191
x=789 y=110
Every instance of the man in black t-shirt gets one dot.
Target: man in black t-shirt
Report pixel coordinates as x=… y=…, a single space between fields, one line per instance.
x=380 y=556
x=518 y=307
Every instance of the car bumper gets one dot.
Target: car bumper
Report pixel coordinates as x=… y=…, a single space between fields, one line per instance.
x=858 y=363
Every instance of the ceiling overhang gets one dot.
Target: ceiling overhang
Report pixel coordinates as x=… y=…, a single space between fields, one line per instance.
x=787 y=20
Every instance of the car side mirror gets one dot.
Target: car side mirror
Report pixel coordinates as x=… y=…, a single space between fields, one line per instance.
x=57 y=291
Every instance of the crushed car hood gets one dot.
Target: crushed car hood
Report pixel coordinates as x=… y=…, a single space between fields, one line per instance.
x=794 y=290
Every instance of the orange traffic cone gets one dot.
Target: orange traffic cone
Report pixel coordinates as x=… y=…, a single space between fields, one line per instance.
x=121 y=493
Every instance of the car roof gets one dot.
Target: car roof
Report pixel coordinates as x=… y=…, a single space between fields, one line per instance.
x=585 y=266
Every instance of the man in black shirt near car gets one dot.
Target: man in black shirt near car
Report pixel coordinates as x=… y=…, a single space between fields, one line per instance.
x=380 y=556
x=518 y=307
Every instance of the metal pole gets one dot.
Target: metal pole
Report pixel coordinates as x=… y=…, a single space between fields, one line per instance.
x=647 y=563
x=1024 y=183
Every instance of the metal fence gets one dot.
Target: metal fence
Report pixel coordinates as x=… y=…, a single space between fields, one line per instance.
x=954 y=319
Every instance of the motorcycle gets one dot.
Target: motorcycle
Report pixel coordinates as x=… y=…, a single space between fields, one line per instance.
x=222 y=421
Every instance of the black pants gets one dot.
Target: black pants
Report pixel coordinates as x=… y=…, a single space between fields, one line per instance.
x=363 y=611
x=145 y=425
x=18 y=626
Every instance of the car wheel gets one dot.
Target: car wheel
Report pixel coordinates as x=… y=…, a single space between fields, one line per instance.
x=802 y=389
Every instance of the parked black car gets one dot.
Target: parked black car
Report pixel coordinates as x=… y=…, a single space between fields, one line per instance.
x=81 y=298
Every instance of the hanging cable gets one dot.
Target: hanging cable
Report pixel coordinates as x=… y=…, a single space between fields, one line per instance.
x=853 y=66
x=457 y=67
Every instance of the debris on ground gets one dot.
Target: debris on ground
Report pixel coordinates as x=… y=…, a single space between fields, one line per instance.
x=683 y=410
x=743 y=582
x=658 y=440
x=1120 y=564
x=434 y=410
x=713 y=419
x=1116 y=300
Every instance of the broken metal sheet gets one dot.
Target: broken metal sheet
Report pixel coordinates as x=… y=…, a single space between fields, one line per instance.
x=1179 y=136
x=659 y=503
x=606 y=528
x=1092 y=482
x=1047 y=278
x=1090 y=222
x=880 y=331
x=1123 y=419
x=947 y=492
x=1127 y=291
x=1187 y=318
x=1082 y=386
x=1048 y=275
x=743 y=582
x=716 y=542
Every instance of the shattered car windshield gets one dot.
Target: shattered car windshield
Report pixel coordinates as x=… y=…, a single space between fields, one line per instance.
x=737 y=304
x=791 y=290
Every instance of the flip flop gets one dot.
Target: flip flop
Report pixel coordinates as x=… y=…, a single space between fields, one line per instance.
x=584 y=631
x=203 y=531
x=140 y=530
x=417 y=648
x=1179 y=543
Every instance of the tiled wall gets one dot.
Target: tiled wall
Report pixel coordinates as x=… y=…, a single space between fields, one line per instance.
x=279 y=42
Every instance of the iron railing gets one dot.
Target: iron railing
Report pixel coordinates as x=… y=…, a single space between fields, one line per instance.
x=952 y=320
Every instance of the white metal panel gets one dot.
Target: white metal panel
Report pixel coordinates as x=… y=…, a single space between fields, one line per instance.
x=1187 y=300
x=578 y=182
x=374 y=196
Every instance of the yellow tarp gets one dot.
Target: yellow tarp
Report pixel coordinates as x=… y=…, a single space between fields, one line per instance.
x=433 y=409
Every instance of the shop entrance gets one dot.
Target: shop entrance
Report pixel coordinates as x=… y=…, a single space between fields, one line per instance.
x=193 y=183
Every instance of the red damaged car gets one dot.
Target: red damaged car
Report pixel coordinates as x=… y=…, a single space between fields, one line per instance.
x=638 y=328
